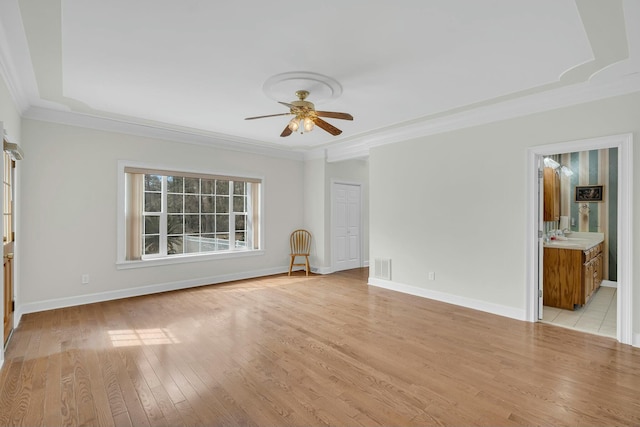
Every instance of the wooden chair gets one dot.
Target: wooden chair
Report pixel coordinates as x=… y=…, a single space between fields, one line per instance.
x=300 y=241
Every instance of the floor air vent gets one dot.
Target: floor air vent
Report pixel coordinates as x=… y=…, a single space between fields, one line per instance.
x=382 y=268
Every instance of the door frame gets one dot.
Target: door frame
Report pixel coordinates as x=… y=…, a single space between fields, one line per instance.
x=333 y=221
x=624 y=144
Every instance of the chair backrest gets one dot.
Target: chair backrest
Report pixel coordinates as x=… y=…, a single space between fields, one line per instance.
x=300 y=242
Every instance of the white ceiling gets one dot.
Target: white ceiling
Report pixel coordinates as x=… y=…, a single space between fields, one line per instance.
x=199 y=66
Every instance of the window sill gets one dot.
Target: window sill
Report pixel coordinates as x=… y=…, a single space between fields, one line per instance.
x=183 y=259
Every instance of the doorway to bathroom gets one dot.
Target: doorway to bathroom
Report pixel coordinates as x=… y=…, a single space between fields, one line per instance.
x=579 y=274
x=577 y=221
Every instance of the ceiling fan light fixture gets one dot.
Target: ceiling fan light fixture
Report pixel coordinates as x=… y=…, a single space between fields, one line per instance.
x=294 y=124
x=308 y=124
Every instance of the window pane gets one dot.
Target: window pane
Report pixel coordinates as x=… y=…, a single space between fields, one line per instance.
x=222 y=187
x=222 y=204
x=192 y=244
x=174 y=224
x=238 y=203
x=151 y=245
x=240 y=222
x=152 y=202
x=223 y=242
x=175 y=245
x=239 y=187
x=208 y=186
x=151 y=224
x=192 y=185
x=208 y=243
x=175 y=184
x=192 y=223
x=208 y=224
x=191 y=204
x=153 y=182
x=174 y=203
x=241 y=240
x=207 y=204
x=222 y=223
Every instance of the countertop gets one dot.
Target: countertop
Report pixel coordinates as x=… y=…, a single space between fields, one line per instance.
x=577 y=240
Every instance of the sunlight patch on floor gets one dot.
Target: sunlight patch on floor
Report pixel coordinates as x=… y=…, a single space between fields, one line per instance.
x=133 y=337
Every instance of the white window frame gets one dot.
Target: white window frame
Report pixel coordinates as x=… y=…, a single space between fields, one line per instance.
x=149 y=261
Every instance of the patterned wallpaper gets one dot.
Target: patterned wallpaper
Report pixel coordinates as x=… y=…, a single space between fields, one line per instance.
x=595 y=167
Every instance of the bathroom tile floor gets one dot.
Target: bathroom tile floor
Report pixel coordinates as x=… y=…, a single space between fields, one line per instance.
x=598 y=316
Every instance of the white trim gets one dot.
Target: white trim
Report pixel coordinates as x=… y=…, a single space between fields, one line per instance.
x=636 y=340
x=15 y=61
x=488 y=307
x=187 y=258
x=321 y=270
x=609 y=284
x=562 y=97
x=624 y=143
x=162 y=131
x=145 y=290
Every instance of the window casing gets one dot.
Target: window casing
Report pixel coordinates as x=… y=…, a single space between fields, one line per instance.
x=170 y=215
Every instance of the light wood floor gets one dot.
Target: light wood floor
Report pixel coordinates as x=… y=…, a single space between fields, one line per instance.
x=322 y=350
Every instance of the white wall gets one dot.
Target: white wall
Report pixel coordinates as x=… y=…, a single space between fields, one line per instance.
x=455 y=203
x=69 y=186
x=314 y=211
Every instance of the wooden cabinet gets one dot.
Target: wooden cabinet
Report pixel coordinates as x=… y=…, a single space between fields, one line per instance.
x=551 y=185
x=571 y=276
x=592 y=266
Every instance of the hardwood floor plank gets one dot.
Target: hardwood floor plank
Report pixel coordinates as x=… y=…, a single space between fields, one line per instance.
x=10 y=389
x=317 y=350
x=53 y=391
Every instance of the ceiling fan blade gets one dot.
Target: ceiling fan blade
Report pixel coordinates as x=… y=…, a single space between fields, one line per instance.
x=270 y=115
x=327 y=126
x=286 y=104
x=334 y=115
x=286 y=132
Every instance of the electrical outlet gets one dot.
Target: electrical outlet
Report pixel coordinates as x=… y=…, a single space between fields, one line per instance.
x=85 y=279
x=432 y=275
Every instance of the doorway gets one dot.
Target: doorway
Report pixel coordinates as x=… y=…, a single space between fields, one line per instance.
x=535 y=234
x=346 y=221
x=8 y=238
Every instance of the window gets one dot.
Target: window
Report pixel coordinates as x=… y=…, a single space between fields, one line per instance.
x=175 y=215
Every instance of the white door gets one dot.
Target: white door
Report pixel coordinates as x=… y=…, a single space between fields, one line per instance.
x=346 y=226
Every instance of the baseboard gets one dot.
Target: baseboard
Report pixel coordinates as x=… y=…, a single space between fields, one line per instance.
x=321 y=270
x=500 y=310
x=366 y=263
x=143 y=290
x=609 y=284
x=636 y=340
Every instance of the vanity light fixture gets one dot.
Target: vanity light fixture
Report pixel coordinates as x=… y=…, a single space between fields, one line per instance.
x=550 y=163
x=566 y=171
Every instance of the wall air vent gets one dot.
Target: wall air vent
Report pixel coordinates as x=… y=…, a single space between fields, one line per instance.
x=382 y=268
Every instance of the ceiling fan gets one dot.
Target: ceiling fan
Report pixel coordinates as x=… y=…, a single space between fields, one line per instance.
x=306 y=116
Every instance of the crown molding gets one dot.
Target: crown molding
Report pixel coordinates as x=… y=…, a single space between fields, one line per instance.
x=549 y=100
x=11 y=73
x=187 y=136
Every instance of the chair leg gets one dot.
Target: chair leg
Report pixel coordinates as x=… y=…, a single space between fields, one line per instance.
x=306 y=260
x=291 y=264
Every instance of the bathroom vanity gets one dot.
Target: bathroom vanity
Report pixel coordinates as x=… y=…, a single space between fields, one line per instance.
x=572 y=269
